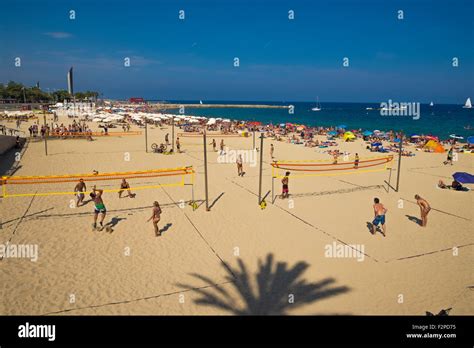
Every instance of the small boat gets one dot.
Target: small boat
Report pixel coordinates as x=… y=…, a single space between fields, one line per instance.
x=431 y=104
x=318 y=106
x=468 y=127
x=468 y=104
x=200 y=102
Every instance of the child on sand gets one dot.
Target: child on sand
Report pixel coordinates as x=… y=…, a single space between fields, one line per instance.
x=222 y=147
x=156 y=216
x=178 y=145
x=379 y=216
x=240 y=169
x=424 y=209
x=285 y=193
x=356 y=161
x=450 y=157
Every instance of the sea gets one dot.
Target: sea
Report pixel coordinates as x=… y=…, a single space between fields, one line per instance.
x=441 y=120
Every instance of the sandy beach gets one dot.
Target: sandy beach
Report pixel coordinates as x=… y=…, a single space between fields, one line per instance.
x=236 y=258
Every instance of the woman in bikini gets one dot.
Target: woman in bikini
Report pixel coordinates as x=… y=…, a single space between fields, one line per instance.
x=156 y=216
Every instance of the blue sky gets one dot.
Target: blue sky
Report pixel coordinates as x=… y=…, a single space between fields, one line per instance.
x=280 y=59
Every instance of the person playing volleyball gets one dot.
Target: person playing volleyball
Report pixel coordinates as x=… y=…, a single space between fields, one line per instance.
x=99 y=206
x=156 y=216
x=79 y=190
x=379 y=216
x=124 y=185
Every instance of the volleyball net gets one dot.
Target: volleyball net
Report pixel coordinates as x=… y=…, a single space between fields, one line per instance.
x=50 y=185
x=309 y=168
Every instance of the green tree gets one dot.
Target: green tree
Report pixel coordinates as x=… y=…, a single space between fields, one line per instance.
x=60 y=95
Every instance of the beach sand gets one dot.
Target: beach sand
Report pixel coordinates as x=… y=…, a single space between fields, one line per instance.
x=237 y=258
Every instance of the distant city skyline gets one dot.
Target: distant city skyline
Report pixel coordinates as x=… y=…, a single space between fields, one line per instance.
x=404 y=56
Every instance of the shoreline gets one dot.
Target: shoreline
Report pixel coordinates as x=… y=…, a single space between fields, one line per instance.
x=217 y=106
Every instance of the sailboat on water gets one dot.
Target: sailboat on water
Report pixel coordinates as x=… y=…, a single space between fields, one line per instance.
x=468 y=104
x=431 y=104
x=200 y=102
x=318 y=105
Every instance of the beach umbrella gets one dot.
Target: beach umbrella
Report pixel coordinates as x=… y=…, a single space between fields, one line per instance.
x=367 y=133
x=464 y=178
x=342 y=126
x=431 y=137
x=470 y=139
x=455 y=136
x=349 y=135
x=282 y=125
x=376 y=144
x=414 y=136
x=332 y=133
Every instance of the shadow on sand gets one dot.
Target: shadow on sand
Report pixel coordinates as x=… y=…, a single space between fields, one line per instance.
x=166 y=228
x=215 y=200
x=414 y=219
x=273 y=290
x=114 y=221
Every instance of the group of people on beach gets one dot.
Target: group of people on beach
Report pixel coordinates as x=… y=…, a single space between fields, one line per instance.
x=71 y=129
x=380 y=212
x=99 y=207
x=379 y=209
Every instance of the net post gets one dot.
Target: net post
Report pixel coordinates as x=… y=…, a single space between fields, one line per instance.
x=253 y=139
x=146 y=136
x=260 y=174
x=399 y=161
x=45 y=132
x=205 y=170
x=273 y=194
x=172 y=134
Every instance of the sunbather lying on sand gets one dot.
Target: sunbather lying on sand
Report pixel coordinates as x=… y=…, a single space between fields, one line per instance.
x=456 y=185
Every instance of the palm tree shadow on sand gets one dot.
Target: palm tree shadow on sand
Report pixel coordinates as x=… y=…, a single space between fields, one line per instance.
x=275 y=285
